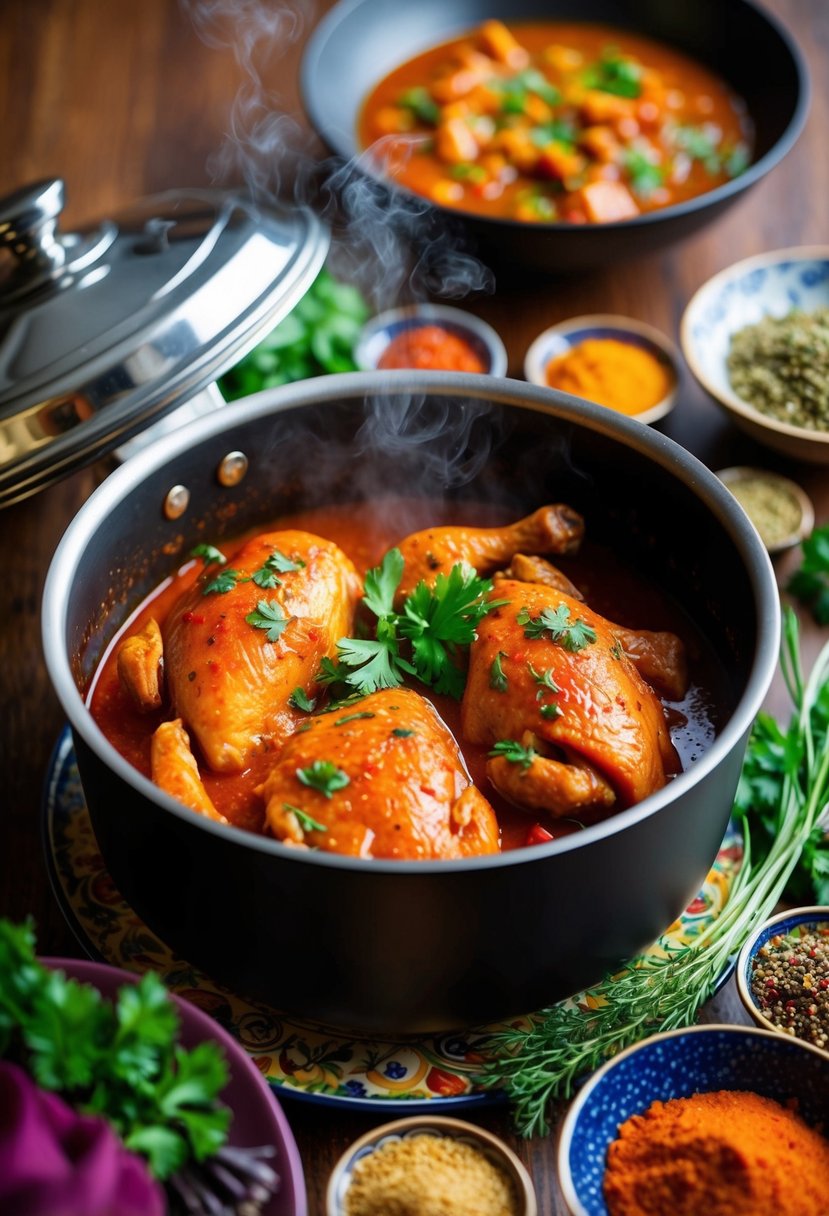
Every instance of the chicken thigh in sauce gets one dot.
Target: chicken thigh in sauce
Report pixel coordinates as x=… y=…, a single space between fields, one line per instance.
x=381 y=778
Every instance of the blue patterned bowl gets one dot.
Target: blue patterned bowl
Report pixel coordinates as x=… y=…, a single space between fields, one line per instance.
x=771 y=284
x=783 y=923
x=676 y=1065
x=379 y=331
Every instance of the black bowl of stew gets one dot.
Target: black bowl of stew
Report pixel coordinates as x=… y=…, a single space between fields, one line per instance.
x=743 y=51
x=415 y=945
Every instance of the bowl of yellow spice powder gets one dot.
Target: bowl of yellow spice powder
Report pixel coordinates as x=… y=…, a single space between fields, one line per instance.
x=721 y=1120
x=430 y=1166
x=622 y=364
x=756 y=336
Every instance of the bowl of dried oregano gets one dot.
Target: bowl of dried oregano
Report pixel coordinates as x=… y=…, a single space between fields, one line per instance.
x=756 y=336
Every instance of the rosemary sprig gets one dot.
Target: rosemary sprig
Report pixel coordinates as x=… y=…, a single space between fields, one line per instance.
x=539 y=1063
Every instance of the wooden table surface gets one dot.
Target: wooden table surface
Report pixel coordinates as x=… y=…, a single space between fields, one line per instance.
x=124 y=99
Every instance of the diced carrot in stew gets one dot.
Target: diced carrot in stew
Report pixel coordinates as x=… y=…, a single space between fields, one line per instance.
x=558 y=161
x=601 y=142
x=454 y=142
x=503 y=45
x=597 y=106
x=605 y=202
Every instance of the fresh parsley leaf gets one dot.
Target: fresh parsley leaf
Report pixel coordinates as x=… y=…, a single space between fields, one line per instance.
x=421 y=103
x=516 y=89
x=810 y=582
x=497 y=678
x=65 y=1028
x=209 y=554
x=371 y=664
x=558 y=131
x=544 y=679
x=331 y=672
x=381 y=583
x=700 y=146
x=400 y=732
x=513 y=751
x=268 y=616
x=304 y=819
x=323 y=775
x=222 y=583
x=365 y=713
x=164 y=1148
x=572 y=635
x=645 y=176
x=614 y=74
x=551 y=710
x=299 y=699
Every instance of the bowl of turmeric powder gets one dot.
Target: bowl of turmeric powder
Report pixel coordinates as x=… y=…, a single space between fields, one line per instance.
x=726 y=1120
x=425 y=1165
x=622 y=364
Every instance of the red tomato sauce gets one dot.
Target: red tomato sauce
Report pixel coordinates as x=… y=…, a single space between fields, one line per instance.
x=433 y=347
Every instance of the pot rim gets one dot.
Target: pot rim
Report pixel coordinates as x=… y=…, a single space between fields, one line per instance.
x=328 y=390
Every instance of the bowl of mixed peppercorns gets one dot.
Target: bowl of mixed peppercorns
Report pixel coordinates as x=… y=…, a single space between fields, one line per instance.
x=783 y=975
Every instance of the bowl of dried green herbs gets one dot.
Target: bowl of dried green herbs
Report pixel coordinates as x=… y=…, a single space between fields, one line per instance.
x=756 y=336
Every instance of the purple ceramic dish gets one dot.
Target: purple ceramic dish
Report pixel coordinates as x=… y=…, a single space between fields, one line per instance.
x=257 y=1117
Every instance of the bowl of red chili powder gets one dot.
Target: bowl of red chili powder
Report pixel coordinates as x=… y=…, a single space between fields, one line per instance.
x=725 y=1120
x=434 y=337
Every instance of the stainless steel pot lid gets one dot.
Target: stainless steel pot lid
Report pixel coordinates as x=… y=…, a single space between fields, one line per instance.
x=103 y=332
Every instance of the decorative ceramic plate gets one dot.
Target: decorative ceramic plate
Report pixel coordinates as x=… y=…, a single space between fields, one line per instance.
x=300 y=1058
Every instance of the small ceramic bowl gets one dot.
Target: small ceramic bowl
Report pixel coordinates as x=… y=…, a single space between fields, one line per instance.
x=771 y=284
x=780 y=510
x=381 y=330
x=558 y=339
x=789 y=922
x=676 y=1065
x=476 y=1137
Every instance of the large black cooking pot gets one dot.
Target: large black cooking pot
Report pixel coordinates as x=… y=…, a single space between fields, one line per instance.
x=405 y=946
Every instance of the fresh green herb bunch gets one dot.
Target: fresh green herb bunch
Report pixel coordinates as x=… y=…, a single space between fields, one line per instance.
x=541 y=1062
x=318 y=336
x=121 y=1060
x=810 y=582
x=434 y=623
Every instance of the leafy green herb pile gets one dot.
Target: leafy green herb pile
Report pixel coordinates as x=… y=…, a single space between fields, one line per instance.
x=120 y=1060
x=784 y=804
x=810 y=583
x=318 y=336
x=421 y=641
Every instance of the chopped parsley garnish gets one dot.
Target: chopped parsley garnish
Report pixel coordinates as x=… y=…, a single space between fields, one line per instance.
x=516 y=89
x=544 y=679
x=299 y=699
x=365 y=713
x=209 y=554
x=400 y=732
x=304 y=819
x=467 y=172
x=614 y=74
x=572 y=635
x=268 y=616
x=699 y=145
x=222 y=583
x=514 y=752
x=323 y=775
x=422 y=105
x=810 y=582
x=497 y=678
x=276 y=563
x=645 y=176
x=435 y=621
x=559 y=131
x=550 y=710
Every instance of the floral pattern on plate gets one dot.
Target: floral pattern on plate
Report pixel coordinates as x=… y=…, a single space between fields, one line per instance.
x=300 y=1058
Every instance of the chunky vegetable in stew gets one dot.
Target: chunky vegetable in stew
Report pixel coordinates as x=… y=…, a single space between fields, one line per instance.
x=556 y=122
x=405 y=681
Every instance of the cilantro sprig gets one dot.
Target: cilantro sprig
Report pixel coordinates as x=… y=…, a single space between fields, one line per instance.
x=209 y=554
x=810 y=582
x=513 y=751
x=324 y=776
x=423 y=640
x=121 y=1060
x=270 y=617
x=557 y=625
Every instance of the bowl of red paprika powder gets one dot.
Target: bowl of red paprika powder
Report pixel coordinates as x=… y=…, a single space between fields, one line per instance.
x=715 y=1119
x=433 y=337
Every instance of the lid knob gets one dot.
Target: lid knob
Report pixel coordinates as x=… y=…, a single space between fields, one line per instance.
x=28 y=229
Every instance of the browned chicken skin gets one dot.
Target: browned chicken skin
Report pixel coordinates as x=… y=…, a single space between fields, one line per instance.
x=587 y=708
x=399 y=791
x=229 y=679
x=174 y=769
x=551 y=529
x=139 y=665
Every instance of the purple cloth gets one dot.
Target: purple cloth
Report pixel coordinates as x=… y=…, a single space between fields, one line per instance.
x=55 y=1162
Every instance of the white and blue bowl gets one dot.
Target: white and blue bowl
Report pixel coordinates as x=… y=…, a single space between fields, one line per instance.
x=676 y=1065
x=559 y=339
x=382 y=329
x=784 y=922
x=770 y=284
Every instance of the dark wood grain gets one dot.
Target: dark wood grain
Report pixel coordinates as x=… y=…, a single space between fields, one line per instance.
x=125 y=99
